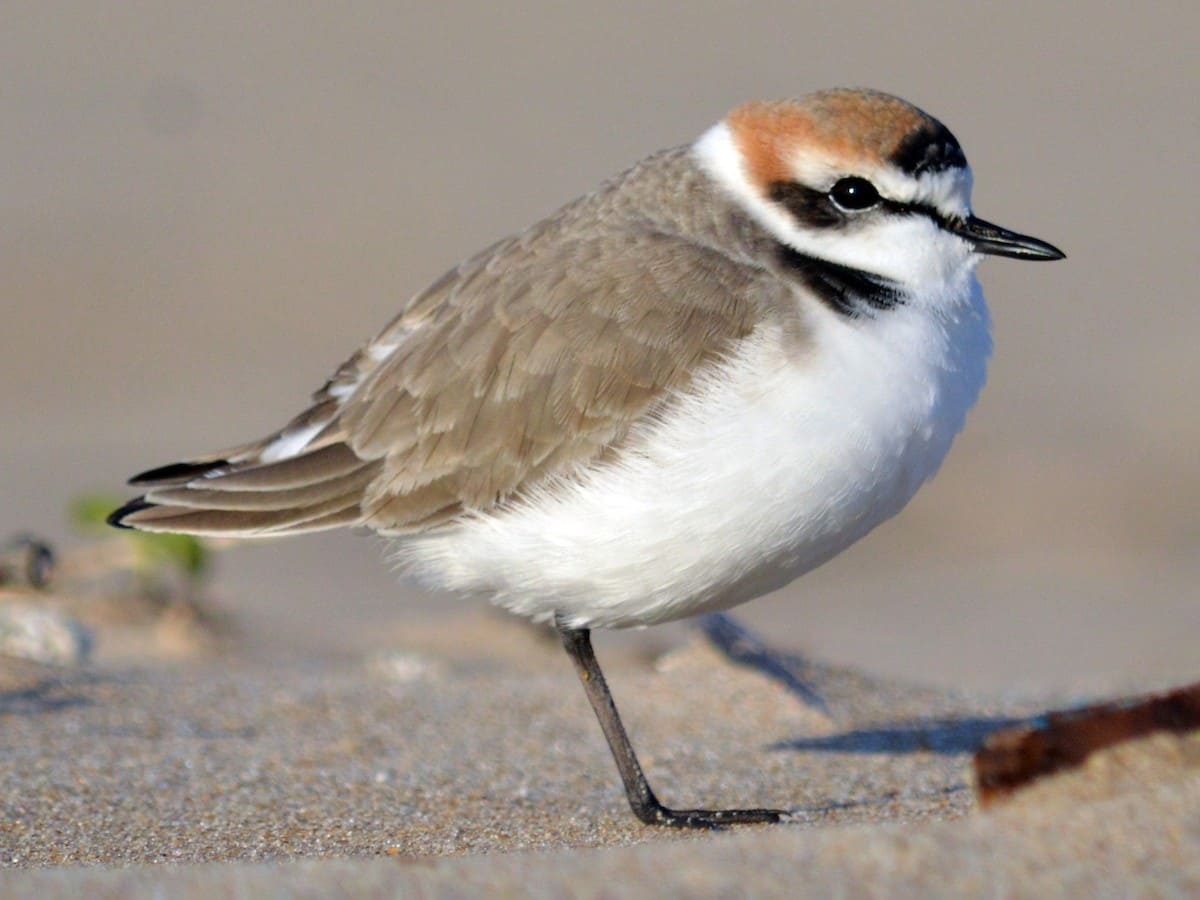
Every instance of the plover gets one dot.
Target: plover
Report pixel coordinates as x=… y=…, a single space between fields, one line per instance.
x=677 y=393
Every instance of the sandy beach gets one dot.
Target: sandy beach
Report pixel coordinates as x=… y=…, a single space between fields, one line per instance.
x=183 y=778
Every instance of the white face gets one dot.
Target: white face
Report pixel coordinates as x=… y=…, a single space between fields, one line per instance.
x=893 y=238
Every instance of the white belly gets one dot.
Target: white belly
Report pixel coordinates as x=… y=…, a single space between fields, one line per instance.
x=784 y=457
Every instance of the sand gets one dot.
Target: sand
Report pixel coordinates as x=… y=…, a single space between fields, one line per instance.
x=326 y=779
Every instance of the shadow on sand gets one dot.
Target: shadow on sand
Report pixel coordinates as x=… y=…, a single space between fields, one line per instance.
x=950 y=735
x=947 y=734
x=47 y=697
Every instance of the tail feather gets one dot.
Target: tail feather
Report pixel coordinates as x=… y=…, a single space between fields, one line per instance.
x=214 y=495
x=177 y=473
x=252 y=497
x=331 y=461
x=117 y=517
x=350 y=516
x=146 y=516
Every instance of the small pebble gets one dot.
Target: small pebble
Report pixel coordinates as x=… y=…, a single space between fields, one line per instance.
x=43 y=635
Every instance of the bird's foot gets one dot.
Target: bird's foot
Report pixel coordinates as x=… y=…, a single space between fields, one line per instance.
x=710 y=818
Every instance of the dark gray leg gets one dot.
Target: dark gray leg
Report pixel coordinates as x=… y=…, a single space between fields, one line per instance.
x=578 y=643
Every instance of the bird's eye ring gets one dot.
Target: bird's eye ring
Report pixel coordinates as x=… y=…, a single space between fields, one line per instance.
x=854 y=194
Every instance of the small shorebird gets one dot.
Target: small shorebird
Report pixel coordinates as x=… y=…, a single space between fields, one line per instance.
x=675 y=394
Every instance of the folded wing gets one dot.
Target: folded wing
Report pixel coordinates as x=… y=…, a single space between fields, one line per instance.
x=528 y=362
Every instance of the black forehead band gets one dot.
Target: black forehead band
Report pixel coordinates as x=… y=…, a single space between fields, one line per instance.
x=931 y=149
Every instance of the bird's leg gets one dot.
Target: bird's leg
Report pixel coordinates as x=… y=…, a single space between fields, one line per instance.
x=578 y=644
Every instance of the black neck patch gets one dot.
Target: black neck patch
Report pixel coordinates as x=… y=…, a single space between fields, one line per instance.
x=850 y=292
x=930 y=149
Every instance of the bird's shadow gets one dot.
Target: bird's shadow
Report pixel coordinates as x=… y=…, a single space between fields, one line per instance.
x=949 y=735
x=944 y=734
x=743 y=647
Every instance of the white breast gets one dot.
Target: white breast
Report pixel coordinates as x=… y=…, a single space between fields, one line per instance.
x=777 y=461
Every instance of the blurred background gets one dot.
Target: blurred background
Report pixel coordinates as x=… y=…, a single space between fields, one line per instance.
x=205 y=207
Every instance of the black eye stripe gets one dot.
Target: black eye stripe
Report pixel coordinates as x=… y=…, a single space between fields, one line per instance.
x=814 y=208
x=919 y=209
x=807 y=205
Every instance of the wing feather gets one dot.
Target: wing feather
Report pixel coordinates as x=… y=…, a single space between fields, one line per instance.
x=528 y=361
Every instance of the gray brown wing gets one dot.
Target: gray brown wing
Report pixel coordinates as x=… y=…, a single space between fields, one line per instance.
x=530 y=360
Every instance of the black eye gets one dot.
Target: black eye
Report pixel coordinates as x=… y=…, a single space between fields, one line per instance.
x=854 y=194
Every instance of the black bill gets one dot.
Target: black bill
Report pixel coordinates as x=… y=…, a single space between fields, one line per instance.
x=993 y=240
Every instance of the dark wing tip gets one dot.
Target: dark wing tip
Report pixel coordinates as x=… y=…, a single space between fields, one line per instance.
x=184 y=471
x=117 y=517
